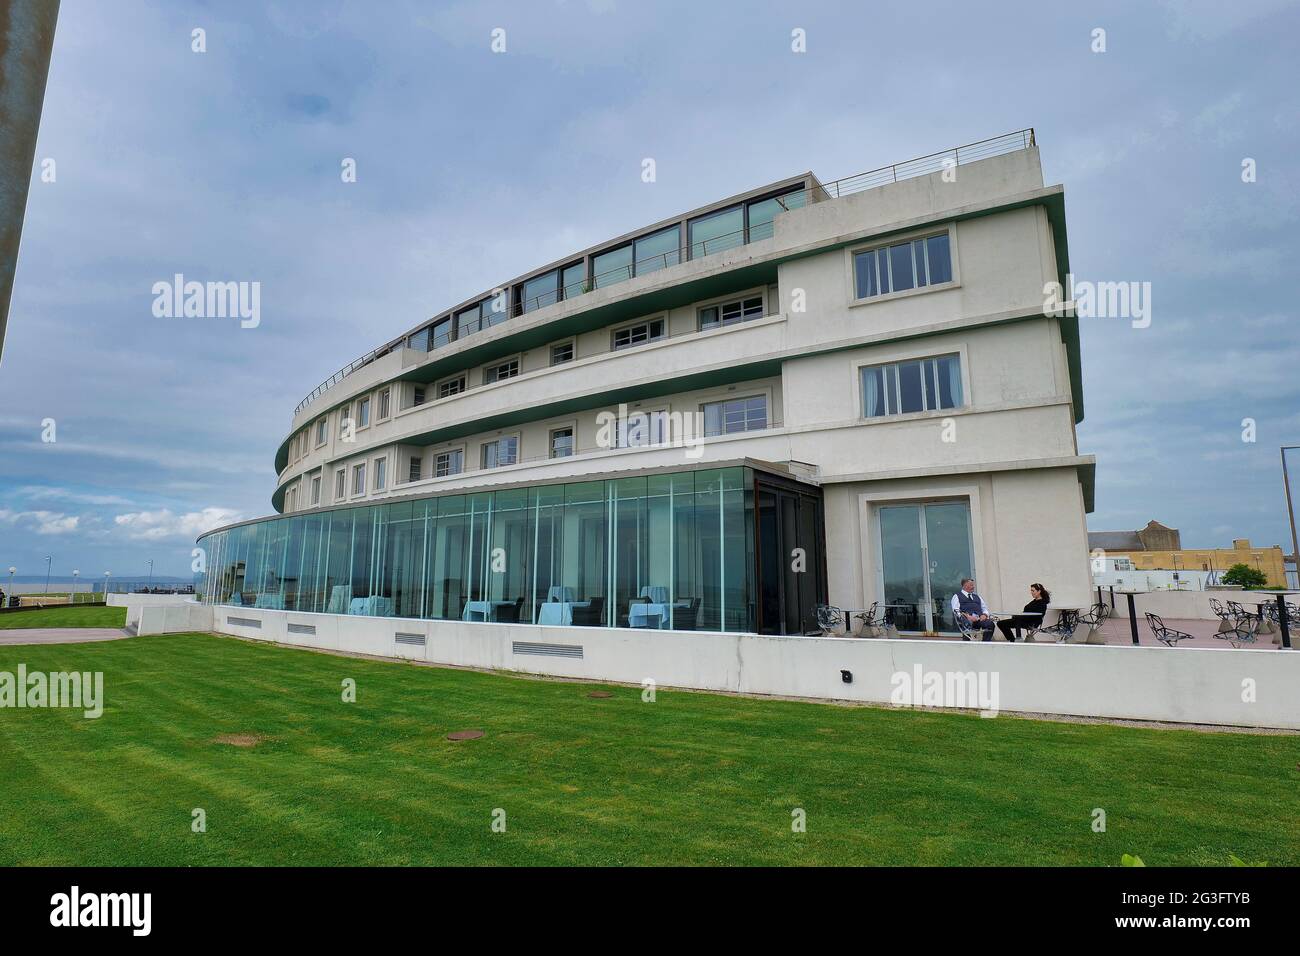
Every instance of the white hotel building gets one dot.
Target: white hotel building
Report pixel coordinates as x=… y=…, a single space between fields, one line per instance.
x=838 y=393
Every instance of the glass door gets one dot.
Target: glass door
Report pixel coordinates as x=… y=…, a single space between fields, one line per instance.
x=925 y=551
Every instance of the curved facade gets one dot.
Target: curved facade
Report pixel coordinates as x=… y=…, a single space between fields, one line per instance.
x=869 y=362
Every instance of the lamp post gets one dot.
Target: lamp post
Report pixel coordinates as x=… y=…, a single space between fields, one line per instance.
x=1290 y=511
x=106 y=574
x=49 y=560
x=12 y=569
x=150 y=584
x=75 y=572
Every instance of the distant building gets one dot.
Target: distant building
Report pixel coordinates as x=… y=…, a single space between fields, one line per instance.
x=1157 y=547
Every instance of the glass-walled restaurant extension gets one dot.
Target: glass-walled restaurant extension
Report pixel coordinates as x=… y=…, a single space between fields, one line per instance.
x=673 y=551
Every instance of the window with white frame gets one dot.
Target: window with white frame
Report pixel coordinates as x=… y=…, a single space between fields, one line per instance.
x=735 y=415
x=449 y=463
x=561 y=352
x=340 y=484
x=359 y=479
x=363 y=412
x=501 y=452
x=381 y=473
x=731 y=313
x=561 y=442
x=384 y=403
x=452 y=386
x=638 y=334
x=345 y=413
x=417 y=395
x=291 y=503
x=642 y=429
x=920 y=385
x=315 y=489
x=500 y=372
x=414 y=473
x=902 y=265
x=322 y=431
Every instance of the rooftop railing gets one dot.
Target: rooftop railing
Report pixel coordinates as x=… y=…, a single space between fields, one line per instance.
x=502 y=308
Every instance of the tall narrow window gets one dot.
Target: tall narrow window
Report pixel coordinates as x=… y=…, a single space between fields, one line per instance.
x=315 y=489
x=561 y=442
x=383 y=403
x=414 y=474
x=381 y=473
x=322 y=431
x=359 y=479
x=363 y=412
x=340 y=485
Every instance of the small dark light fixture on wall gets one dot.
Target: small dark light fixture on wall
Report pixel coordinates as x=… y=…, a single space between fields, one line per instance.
x=846 y=676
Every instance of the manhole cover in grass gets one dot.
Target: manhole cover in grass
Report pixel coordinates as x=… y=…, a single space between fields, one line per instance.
x=600 y=694
x=465 y=735
x=238 y=740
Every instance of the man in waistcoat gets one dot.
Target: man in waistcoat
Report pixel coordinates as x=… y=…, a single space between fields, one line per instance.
x=971 y=606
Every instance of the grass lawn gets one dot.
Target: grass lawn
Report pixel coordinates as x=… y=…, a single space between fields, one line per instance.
x=65 y=617
x=689 y=779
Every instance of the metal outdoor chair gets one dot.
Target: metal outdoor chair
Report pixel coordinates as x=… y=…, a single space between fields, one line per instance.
x=1165 y=635
x=830 y=619
x=1221 y=612
x=875 y=621
x=1060 y=628
x=1243 y=630
x=1096 y=616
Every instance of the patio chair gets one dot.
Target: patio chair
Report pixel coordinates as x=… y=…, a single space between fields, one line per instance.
x=1243 y=631
x=830 y=620
x=875 y=622
x=1058 y=624
x=1165 y=635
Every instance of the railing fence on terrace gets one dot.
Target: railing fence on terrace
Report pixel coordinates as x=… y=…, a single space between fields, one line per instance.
x=836 y=189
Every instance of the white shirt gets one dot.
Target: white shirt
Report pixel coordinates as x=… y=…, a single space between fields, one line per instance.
x=956 y=603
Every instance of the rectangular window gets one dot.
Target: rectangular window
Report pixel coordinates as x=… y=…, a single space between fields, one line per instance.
x=469 y=321
x=574 y=280
x=717 y=231
x=561 y=442
x=315 y=489
x=731 y=313
x=440 y=333
x=449 y=463
x=503 y=451
x=902 y=266
x=541 y=291
x=419 y=340
x=561 y=353
x=359 y=479
x=340 y=484
x=917 y=386
x=735 y=415
x=613 y=266
x=322 y=432
x=499 y=373
x=637 y=334
x=345 y=415
x=642 y=429
x=417 y=395
x=381 y=473
x=658 y=250
x=453 y=386
x=363 y=413
x=762 y=212
x=414 y=473
x=383 y=404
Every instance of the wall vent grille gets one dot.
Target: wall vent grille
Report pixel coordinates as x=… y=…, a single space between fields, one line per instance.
x=405 y=637
x=548 y=650
x=302 y=628
x=244 y=622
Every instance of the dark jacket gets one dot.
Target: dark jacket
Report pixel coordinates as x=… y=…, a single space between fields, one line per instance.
x=1037 y=608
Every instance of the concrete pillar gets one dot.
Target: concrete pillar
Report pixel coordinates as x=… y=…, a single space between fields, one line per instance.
x=26 y=37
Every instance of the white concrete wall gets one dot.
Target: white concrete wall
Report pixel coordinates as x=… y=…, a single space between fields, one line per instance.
x=1146 y=683
x=1188 y=605
x=171 y=619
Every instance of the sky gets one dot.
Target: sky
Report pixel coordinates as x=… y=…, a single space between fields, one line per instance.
x=473 y=166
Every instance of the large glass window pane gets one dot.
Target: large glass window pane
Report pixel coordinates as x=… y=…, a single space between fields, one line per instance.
x=541 y=291
x=613 y=266
x=936 y=249
x=658 y=250
x=510 y=580
x=574 y=279
x=763 y=212
x=873 y=392
x=585 y=542
x=717 y=231
x=440 y=334
x=864 y=267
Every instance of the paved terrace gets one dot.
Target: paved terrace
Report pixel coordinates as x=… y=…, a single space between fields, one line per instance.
x=1116 y=631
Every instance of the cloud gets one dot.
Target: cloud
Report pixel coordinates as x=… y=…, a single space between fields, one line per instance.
x=42 y=493
x=41 y=522
x=164 y=523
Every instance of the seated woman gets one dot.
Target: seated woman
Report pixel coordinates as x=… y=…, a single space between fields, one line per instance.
x=1032 y=616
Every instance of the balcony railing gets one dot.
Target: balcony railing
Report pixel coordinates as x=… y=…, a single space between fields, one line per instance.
x=504 y=309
